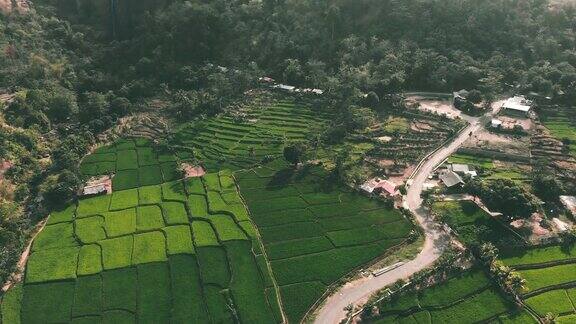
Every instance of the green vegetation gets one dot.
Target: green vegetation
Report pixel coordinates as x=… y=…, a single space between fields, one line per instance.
x=548 y=272
x=148 y=258
x=473 y=225
x=314 y=230
x=469 y=297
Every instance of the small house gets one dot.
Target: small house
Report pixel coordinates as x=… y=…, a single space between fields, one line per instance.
x=459 y=98
x=496 y=123
x=517 y=106
x=463 y=169
x=285 y=87
x=451 y=179
x=95 y=190
x=379 y=186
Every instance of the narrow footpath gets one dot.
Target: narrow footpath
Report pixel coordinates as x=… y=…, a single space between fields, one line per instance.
x=357 y=292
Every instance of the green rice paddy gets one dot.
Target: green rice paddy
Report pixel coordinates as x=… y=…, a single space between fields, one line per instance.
x=467 y=298
x=550 y=274
x=314 y=231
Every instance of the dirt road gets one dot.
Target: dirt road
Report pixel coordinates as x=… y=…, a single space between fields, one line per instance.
x=357 y=292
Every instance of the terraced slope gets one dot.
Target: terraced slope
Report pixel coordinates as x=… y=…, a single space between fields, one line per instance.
x=315 y=232
x=469 y=298
x=224 y=143
x=550 y=274
x=180 y=251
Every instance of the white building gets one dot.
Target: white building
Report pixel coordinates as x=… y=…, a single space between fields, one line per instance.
x=518 y=106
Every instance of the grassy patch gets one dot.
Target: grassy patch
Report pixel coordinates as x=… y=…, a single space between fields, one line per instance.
x=149 y=218
x=203 y=234
x=127 y=160
x=89 y=260
x=90 y=229
x=48 y=302
x=12 y=304
x=55 y=237
x=173 y=191
x=121 y=222
x=119 y=289
x=149 y=247
x=179 y=239
x=84 y=292
x=125 y=179
x=55 y=264
x=174 y=213
x=117 y=252
x=213 y=265
x=124 y=199
x=154 y=297
x=150 y=175
x=93 y=206
x=149 y=195
x=188 y=301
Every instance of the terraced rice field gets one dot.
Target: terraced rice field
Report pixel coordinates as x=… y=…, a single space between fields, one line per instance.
x=550 y=274
x=562 y=124
x=315 y=232
x=473 y=225
x=134 y=163
x=224 y=143
x=180 y=251
x=468 y=298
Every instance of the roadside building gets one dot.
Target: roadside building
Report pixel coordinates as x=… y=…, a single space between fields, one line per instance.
x=463 y=169
x=381 y=187
x=459 y=98
x=517 y=106
x=451 y=179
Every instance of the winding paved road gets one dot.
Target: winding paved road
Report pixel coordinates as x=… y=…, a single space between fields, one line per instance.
x=358 y=291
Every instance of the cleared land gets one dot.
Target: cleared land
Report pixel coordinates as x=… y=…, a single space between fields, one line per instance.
x=468 y=298
x=315 y=232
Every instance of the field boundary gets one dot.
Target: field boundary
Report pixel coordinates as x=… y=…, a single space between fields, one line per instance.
x=540 y=291
x=263 y=249
x=543 y=265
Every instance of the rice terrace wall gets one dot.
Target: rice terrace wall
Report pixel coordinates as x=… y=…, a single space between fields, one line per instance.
x=248 y=242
